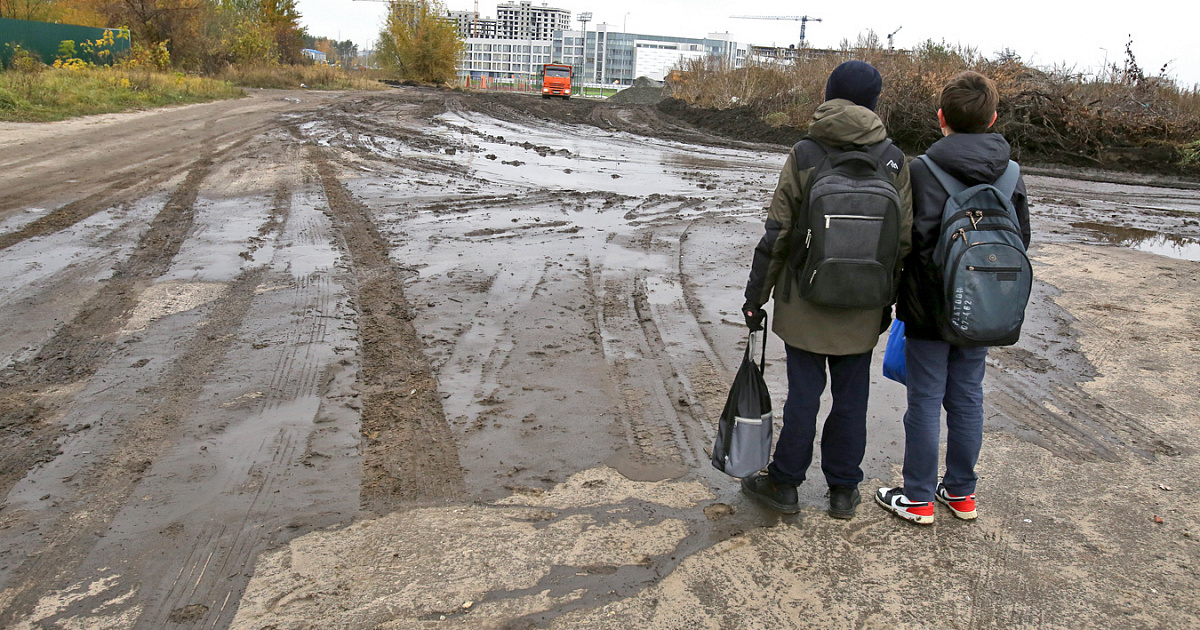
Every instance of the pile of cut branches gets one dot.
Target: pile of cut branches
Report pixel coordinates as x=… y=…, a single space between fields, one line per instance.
x=1119 y=118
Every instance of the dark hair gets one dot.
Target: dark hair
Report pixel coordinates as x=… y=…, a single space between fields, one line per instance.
x=968 y=102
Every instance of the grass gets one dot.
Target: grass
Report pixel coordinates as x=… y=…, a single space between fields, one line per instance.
x=49 y=94
x=301 y=77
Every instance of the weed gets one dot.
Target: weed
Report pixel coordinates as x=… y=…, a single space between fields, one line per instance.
x=1189 y=155
x=291 y=77
x=78 y=89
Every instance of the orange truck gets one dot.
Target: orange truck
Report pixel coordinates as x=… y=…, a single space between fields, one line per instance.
x=556 y=80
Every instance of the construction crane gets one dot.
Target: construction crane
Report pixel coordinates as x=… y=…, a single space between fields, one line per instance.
x=890 y=35
x=802 y=19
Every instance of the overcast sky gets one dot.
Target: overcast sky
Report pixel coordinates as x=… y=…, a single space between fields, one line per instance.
x=1044 y=32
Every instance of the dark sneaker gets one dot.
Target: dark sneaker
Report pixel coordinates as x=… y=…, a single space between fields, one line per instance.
x=779 y=496
x=963 y=507
x=894 y=501
x=843 y=500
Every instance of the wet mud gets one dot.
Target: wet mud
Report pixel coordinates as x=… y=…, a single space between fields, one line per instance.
x=431 y=358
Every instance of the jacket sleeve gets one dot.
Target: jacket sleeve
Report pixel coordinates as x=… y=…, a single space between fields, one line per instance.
x=904 y=189
x=770 y=256
x=1020 y=201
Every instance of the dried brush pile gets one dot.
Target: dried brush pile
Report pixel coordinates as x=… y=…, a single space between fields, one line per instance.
x=1118 y=118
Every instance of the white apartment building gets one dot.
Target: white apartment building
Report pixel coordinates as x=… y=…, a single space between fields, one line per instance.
x=522 y=20
x=504 y=58
x=526 y=37
x=470 y=26
x=614 y=57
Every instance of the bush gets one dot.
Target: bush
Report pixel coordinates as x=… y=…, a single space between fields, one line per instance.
x=292 y=77
x=1120 y=117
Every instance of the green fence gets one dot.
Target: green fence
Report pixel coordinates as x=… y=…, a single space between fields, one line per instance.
x=43 y=39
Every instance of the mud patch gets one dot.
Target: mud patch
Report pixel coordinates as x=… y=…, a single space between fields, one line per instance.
x=409 y=451
x=169 y=298
x=1171 y=246
x=476 y=566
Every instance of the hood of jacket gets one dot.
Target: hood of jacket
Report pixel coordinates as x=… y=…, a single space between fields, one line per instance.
x=972 y=158
x=840 y=122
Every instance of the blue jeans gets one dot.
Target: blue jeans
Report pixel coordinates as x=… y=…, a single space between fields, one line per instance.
x=942 y=375
x=844 y=439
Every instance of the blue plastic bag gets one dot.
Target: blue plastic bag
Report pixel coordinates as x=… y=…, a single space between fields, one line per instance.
x=893 y=355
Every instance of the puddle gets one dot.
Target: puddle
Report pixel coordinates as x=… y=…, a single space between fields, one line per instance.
x=1181 y=247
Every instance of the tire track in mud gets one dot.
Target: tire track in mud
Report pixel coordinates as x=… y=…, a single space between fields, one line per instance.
x=230 y=546
x=1067 y=421
x=409 y=452
x=144 y=439
x=32 y=390
x=130 y=186
x=662 y=363
x=1037 y=390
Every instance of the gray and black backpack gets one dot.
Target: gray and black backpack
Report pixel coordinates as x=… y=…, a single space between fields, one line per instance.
x=986 y=275
x=846 y=239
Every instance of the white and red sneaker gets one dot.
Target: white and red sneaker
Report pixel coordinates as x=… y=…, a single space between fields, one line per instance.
x=894 y=501
x=963 y=507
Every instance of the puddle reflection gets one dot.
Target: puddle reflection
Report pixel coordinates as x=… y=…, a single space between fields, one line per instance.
x=1181 y=247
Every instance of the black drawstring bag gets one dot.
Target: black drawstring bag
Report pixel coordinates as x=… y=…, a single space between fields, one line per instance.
x=744 y=433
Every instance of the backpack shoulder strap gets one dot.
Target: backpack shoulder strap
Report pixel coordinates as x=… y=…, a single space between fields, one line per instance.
x=952 y=185
x=1007 y=184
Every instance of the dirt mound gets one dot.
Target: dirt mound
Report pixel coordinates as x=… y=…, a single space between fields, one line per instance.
x=740 y=122
x=644 y=91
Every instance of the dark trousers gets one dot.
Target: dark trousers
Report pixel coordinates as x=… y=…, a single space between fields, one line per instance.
x=844 y=440
x=941 y=375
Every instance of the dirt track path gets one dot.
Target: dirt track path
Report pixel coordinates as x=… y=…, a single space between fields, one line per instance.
x=358 y=360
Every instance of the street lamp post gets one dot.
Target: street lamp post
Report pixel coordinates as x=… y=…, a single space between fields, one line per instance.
x=584 y=17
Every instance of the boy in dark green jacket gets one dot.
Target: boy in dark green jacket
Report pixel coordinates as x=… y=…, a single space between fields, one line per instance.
x=817 y=337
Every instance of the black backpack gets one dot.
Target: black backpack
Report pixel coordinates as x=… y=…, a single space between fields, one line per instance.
x=986 y=275
x=845 y=240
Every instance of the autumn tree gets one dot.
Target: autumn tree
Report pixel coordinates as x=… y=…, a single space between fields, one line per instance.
x=81 y=12
x=179 y=24
x=282 y=20
x=346 y=52
x=418 y=44
x=33 y=10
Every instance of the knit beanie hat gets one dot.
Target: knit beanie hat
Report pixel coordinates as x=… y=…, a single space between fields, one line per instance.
x=856 y=81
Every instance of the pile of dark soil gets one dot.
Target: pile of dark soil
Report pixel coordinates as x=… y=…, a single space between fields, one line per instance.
x=740 y=123
x=644 y=91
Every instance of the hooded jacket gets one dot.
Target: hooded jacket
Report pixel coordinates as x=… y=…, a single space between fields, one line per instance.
x=972 y=158
x=819 y=329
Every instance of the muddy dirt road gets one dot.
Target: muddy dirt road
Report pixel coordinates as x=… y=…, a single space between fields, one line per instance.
x=430 y=359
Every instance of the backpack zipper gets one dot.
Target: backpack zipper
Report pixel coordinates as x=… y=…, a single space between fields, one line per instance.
x=858 y=217
x=993 y=269
x=963 y=214
x=989 y=228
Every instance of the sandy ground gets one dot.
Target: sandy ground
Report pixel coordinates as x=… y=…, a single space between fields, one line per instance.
x=428 y=359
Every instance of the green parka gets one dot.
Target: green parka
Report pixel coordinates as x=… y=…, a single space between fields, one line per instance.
x=818 y=329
